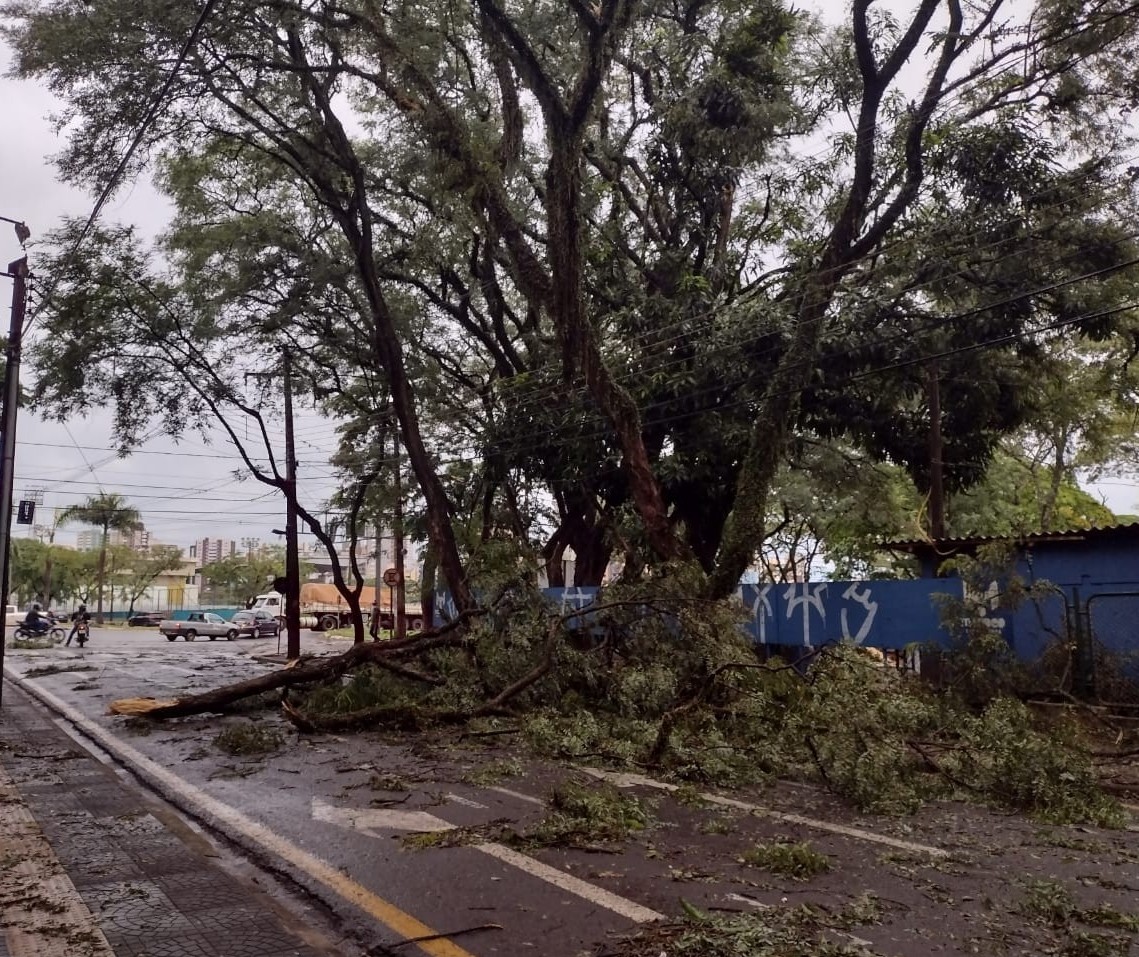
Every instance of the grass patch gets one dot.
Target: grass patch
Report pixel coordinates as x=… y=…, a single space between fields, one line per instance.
x=248 y=739
x=717 y=824
x=797 y=861
x=583 y=816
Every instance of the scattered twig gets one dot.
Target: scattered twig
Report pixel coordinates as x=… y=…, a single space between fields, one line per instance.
x=489 y=734
x=450 y=933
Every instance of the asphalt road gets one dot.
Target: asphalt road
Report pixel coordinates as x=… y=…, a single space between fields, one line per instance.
x=310 y=810
x=329 y=811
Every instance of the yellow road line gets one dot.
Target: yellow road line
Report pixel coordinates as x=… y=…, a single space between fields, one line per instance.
x=215 y=811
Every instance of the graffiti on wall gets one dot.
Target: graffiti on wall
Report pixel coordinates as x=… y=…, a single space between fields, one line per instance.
x=875 y=614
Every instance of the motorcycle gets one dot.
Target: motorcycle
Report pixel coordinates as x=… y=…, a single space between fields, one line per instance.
x=82 y=632
x=54 y=631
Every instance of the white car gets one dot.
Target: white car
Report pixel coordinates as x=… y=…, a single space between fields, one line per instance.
x=13 y=617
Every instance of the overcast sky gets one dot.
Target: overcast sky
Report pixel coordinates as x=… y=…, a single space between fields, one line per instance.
x=186 y=491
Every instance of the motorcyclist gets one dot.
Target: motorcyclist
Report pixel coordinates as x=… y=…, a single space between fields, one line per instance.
x=36 y=622
x=80 y=614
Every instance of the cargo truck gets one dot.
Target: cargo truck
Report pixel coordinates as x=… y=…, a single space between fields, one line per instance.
x=323 y=608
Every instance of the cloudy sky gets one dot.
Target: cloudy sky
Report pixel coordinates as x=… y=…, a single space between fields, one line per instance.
x=186 y=491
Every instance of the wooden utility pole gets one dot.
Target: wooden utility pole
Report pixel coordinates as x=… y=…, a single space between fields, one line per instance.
x=19 y=273
x=292 y=546
x=400 y=609
x=936 y=451
x=374 y=628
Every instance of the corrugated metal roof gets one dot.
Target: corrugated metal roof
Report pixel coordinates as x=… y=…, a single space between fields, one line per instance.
x=1124 y=529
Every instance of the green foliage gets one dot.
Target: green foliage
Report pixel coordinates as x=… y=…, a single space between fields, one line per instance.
x=37 y=568
x=1004 y=755
x=241 y=576
x=980 y=665
x=589 y=814
x=108 y=512
x=798 y=861
x=700 y=261
x=248 y=739
x=493 y=773
x=888 y=744
x=775 y=932
x=854 y=724
x=367 y=687
x=1016 y=497
x=1082 y=943
x=1051 y=902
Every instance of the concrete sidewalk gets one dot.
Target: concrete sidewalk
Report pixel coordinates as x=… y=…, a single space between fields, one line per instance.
x=91 y=866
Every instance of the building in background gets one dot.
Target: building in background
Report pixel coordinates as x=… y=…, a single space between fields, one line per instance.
x=211 y=550
x=89 y=539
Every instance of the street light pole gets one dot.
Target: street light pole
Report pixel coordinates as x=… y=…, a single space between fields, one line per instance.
x=18 y=270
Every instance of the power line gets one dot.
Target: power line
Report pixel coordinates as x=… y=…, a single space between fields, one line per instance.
x=116 y=174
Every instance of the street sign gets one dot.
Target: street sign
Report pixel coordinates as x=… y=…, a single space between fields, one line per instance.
x=27 y=512
x=391 y=577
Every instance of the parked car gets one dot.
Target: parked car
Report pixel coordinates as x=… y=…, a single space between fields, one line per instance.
x=206 y=624
x=13 y=617
x=265 y=623
x=146 y=619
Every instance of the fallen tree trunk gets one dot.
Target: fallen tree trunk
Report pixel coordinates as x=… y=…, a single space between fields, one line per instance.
x=303 y=671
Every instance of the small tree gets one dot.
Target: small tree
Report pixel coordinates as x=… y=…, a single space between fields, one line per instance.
x=141 y=568
x=106 y=511
x=237 y=577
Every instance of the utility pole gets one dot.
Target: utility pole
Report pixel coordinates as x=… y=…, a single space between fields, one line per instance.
x=936 y=451
x=400 y=609
x=18 y=270
x=292 y=548
x=374 y=626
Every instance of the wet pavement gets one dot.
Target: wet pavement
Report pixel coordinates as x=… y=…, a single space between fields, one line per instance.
x=331 y=813
x=91 y=865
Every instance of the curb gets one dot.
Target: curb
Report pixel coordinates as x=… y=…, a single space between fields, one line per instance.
x=307 y=872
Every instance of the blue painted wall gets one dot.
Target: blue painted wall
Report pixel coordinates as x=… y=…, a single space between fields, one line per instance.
x=875 y=614
x=1100 y=564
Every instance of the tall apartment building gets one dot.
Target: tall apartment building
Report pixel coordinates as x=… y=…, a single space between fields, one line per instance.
x=90 y=539
x=211 y=550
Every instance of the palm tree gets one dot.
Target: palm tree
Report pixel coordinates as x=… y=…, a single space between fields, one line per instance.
x=107 y=511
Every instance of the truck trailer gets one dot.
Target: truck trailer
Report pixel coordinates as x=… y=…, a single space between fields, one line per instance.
x=323 y=608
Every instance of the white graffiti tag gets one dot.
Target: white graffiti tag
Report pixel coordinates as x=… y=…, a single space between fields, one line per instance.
x=812 y=597
x=761 y=616
x=859 y=598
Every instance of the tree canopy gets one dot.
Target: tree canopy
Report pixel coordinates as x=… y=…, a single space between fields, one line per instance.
x=607 y=268
x=675 y=285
